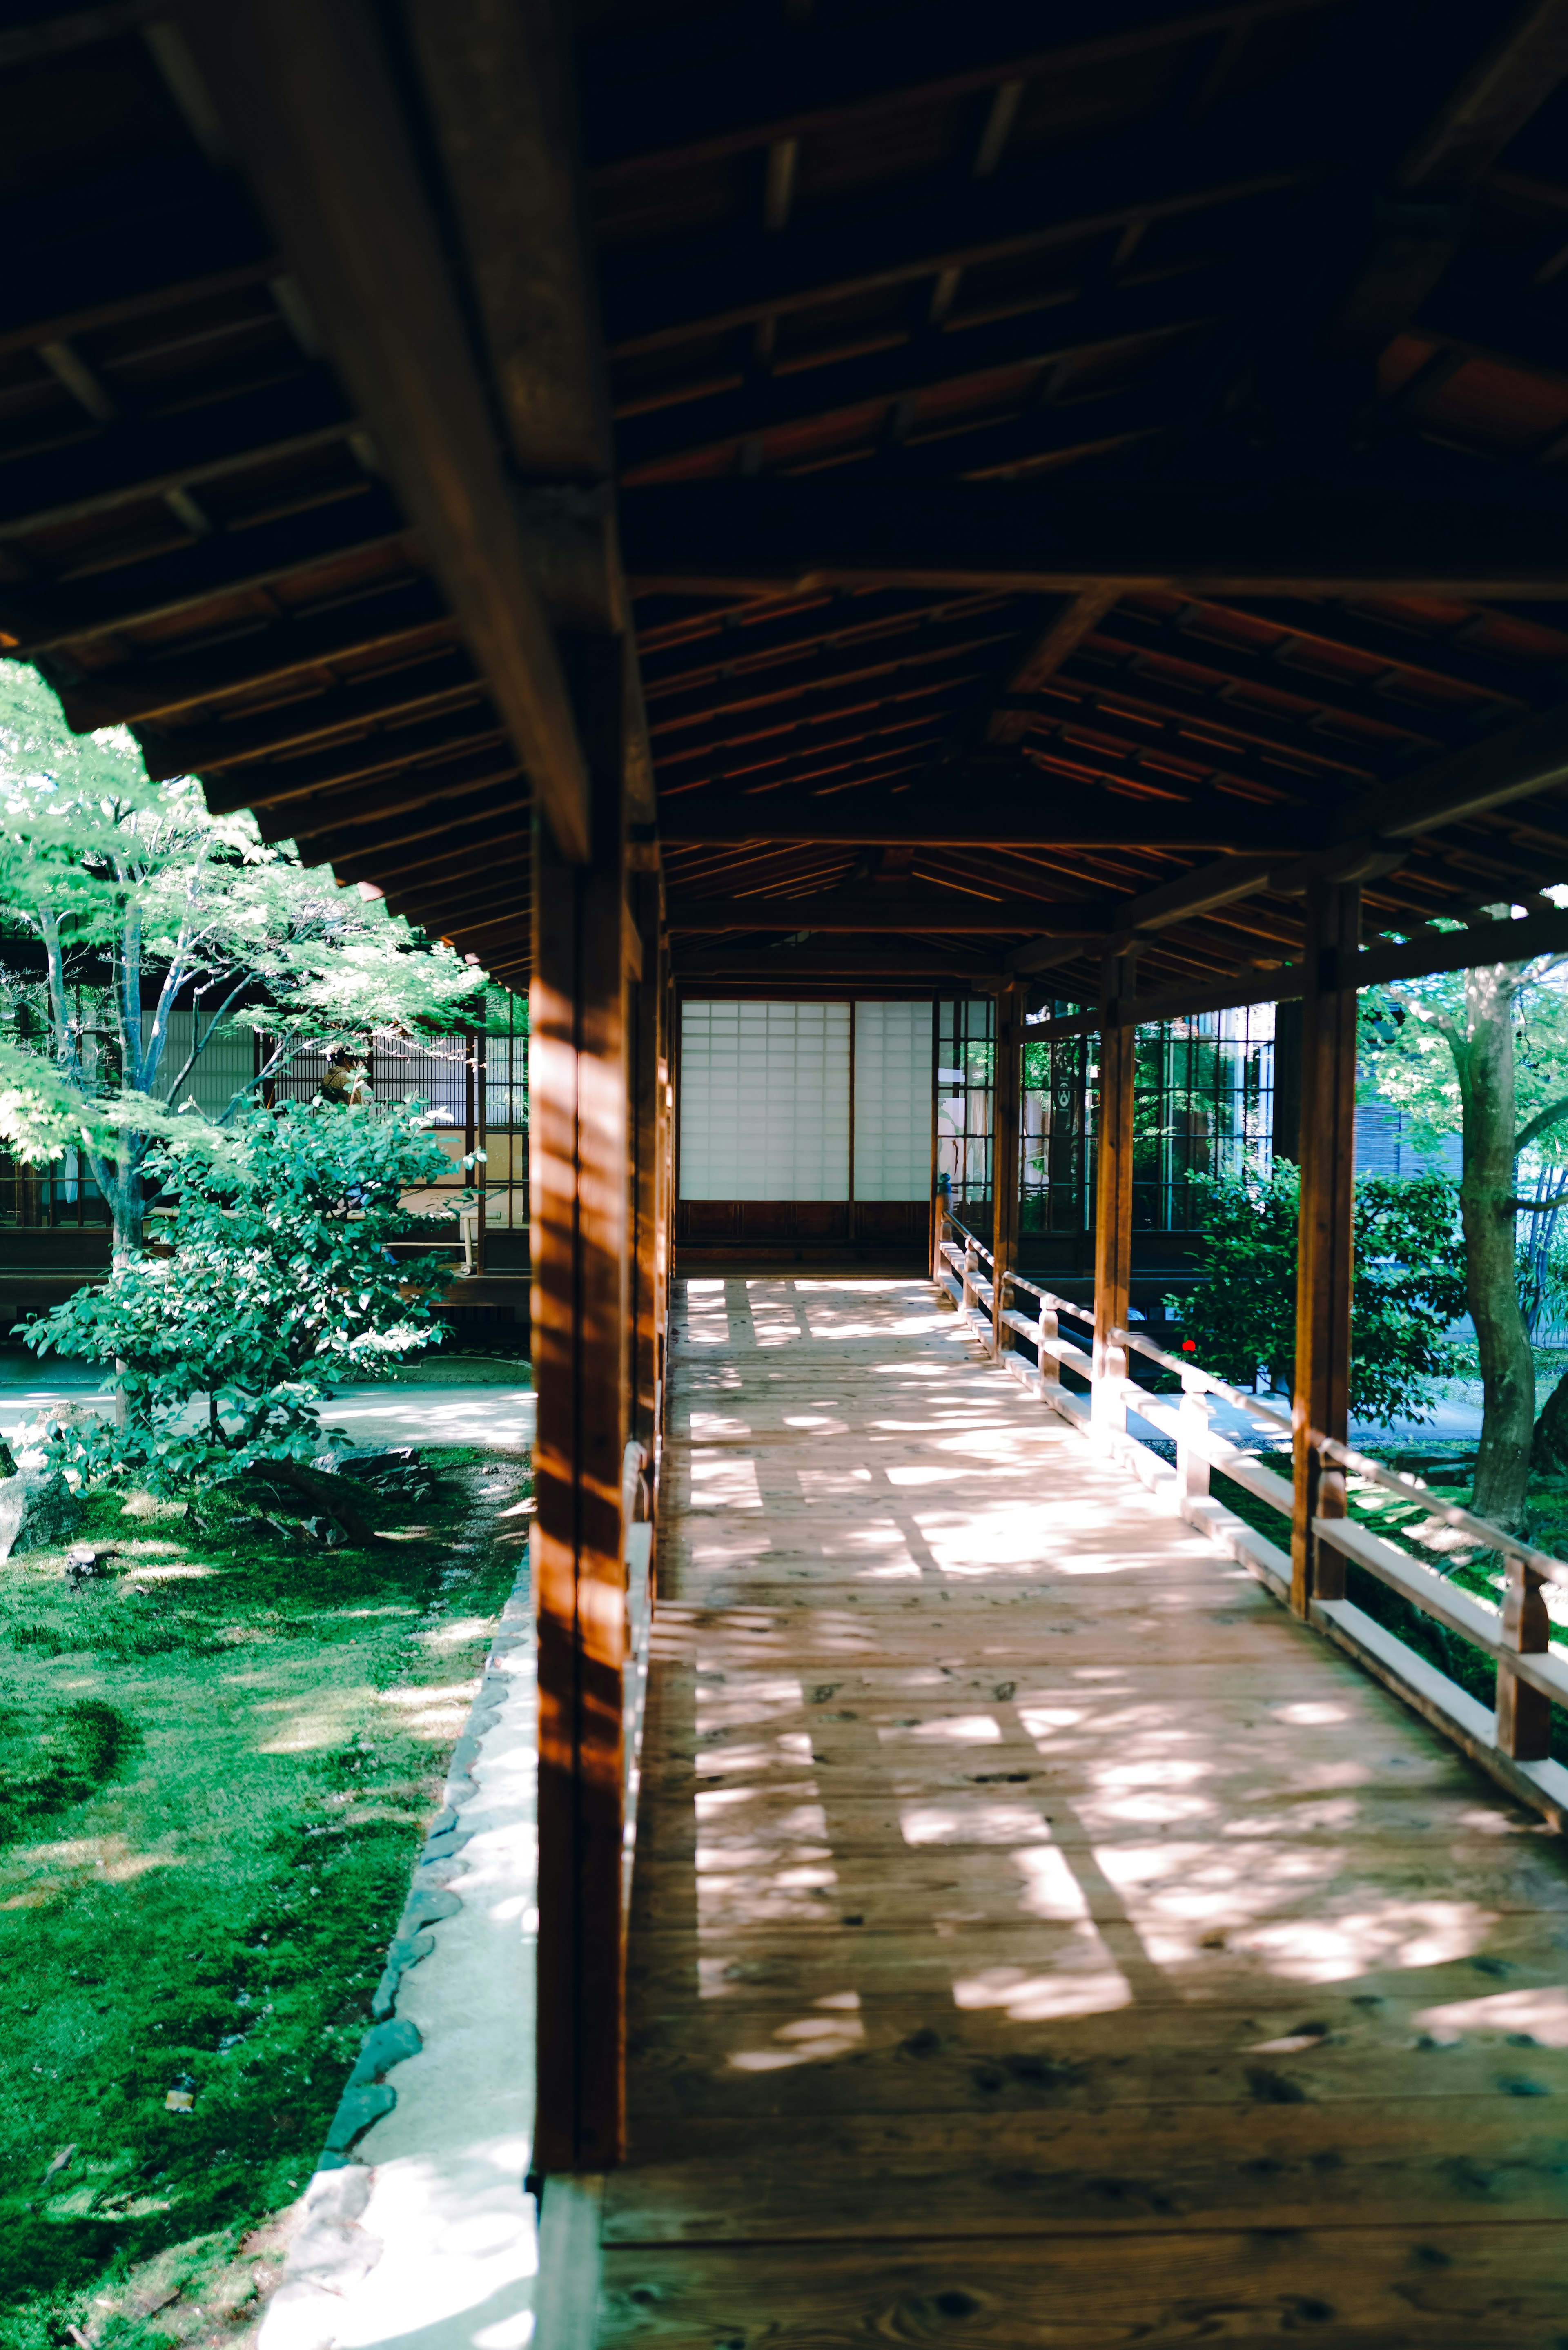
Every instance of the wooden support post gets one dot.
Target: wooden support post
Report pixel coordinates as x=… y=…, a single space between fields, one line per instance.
x=1113 y=1199
x=970 y=1267
x=648 y=995
x=1325 y=1259
x=578 y=1173
x=1524 y=1714
x=1004 y=1155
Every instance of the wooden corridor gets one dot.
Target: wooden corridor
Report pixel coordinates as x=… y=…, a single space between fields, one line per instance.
x=1038 y=1937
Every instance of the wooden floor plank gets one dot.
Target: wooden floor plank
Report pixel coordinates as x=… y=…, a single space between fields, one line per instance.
x=1015 y=1876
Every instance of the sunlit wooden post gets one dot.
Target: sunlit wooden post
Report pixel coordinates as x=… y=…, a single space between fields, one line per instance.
x=970 y=1267
x=1524 y=1714
x=1005 y=1157
x=1113 y=1196
x=1325 y=1259
x=1192 y=1436
x=1047 y=1328
x=578 y=1171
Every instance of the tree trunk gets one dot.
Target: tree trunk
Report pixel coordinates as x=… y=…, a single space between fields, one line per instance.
x=1484 y=1061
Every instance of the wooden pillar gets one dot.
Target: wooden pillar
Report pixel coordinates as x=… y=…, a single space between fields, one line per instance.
x=1325 y=1258
x=1113 y=1196
x=1004 y=1168
x=647 y=1126
x=578 y=1171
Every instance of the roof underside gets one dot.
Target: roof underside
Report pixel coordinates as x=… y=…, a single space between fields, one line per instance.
x=1082 y=471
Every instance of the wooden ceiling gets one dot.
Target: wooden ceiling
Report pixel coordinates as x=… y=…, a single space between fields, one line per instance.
x=1070 y=473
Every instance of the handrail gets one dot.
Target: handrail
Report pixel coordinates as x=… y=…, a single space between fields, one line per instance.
x=1205 y=1379
x=1480 y=1530
x=1515 y=1635
x=1048 y=1297
x=973 y=1237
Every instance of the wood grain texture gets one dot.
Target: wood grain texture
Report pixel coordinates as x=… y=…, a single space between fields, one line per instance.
x=1015 y=1874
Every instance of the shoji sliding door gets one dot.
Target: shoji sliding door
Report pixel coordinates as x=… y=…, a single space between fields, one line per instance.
x=805 y=1123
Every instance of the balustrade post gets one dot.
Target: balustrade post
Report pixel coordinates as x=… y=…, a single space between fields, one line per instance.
x=1112 y=1202
x=1325 y=1258
x=1524 y=1714
x=1192 y=1436
x=971 y=1267
x=1047 y=1328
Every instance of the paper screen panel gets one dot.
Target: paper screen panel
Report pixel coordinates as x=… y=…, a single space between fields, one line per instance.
x=892 y=1101
x=765 y=1101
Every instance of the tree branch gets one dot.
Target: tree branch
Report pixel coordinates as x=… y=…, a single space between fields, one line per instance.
x=1539 y=1124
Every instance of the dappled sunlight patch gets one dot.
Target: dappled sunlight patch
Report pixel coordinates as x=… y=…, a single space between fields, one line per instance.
x=436 y=1713
x=184 y=1572
x=954 y=1730
x=791 y=1896
x=806 y=2040
x=1404 y=1934
x=455 y=1634
x=1083 y=1978
x=1542 y=2015
x=977 y=1823
x=1051 y=1888
x=792 y=1749
x=44 y=1873
x=723 y=1482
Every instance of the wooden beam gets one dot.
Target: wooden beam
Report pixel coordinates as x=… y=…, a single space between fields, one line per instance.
x=577 y=1196
x=928 y=911
x=442 y=683
x=1444 y=657
x=1061 y=536
x=1239 y=666
x=208 y=244
x=1529 y=756
x=1378 y=966
x=134 y=460
x=1508 y=84
x=870 y=244
x=409 y=620
x=1153 y=909
x=304 y=88
x=468 y=845
x=1030 y=811
x=1041 y=339
x=357 y=850
x=702 y=90
x=764 y=683
x=887 y=959
x=1326 y=1255
x=320 y=788
x=38 y=620
x=1062 y=636
x=499 y=80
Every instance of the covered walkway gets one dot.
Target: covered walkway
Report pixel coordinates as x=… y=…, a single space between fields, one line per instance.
x=1014 y=1872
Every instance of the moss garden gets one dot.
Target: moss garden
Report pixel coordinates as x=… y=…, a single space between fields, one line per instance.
x=218 y=1759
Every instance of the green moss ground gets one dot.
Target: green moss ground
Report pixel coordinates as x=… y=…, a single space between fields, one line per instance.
x=216 y=1771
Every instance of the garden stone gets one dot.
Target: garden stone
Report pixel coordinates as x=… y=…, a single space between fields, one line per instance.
x=37 y=1513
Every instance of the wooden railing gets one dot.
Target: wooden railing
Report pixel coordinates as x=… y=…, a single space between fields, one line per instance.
x=1513 y=1739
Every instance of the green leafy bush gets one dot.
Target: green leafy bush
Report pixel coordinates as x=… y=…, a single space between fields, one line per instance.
x=280 y=1279
x=1409 y=1287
